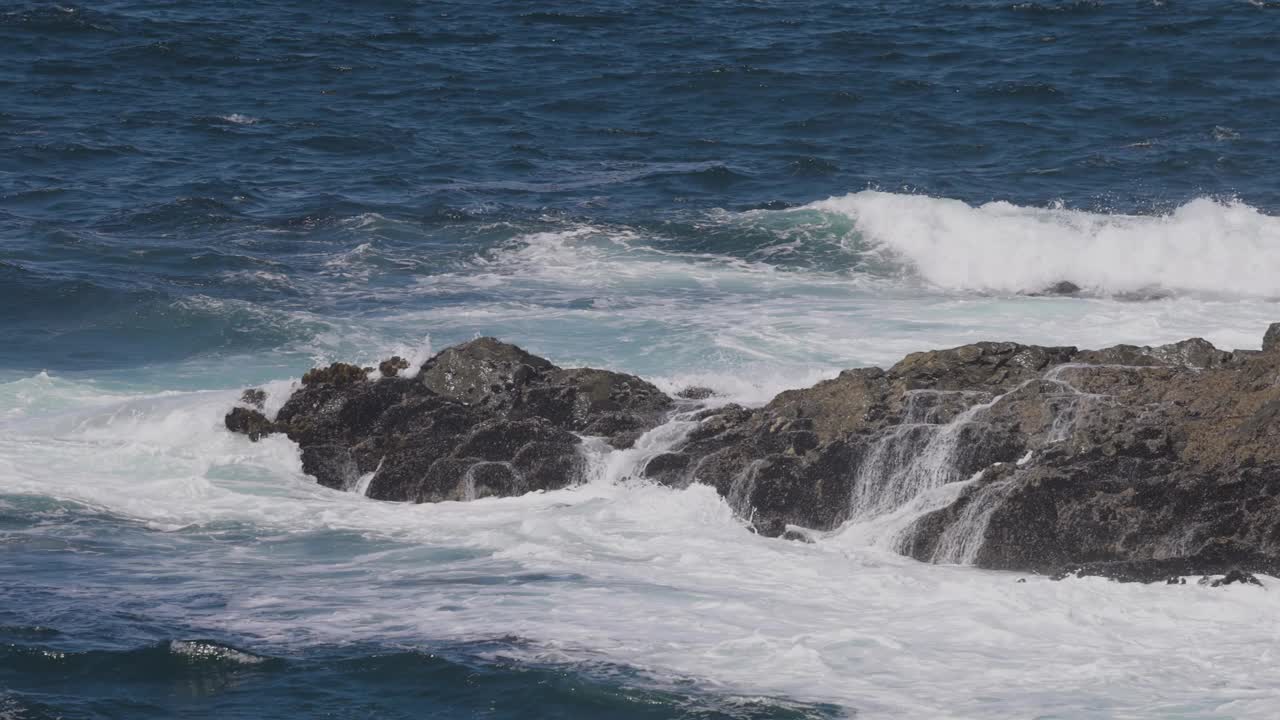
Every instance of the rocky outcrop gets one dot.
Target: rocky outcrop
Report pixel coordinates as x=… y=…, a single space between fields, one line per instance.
x=1131 y=462
x=482 y=418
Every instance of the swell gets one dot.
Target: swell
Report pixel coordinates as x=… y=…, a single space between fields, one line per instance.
x=1204 y=246
x=75 y=300
x=463 y=680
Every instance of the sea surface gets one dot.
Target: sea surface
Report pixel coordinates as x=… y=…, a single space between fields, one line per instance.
x=200 y=197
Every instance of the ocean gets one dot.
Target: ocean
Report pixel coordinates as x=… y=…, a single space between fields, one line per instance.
x=196 y=198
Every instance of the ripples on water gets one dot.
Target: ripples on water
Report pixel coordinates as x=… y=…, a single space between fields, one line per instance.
x=166 y=165
x=195 y=198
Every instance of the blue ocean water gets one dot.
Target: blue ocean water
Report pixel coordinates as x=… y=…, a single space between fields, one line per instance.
x=173 y=174
x=199 y=197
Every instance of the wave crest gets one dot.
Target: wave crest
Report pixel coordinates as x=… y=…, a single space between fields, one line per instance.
x=1204 y=246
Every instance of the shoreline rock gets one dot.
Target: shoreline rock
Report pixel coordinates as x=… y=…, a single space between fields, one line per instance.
x=481 y=418
x=1136 y=463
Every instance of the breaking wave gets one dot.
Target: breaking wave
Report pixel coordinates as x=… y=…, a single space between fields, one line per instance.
x=1204 y=246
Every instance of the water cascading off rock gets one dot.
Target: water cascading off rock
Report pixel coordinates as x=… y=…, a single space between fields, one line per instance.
x=1135 y=462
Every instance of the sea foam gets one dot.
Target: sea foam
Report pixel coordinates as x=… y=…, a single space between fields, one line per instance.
x=1203 y=246
x=617 y=570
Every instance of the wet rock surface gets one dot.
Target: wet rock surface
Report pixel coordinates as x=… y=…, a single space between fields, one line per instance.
x=479 y=419
x=1135 y=463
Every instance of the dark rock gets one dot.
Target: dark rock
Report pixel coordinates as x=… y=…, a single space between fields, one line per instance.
x=483 y=371
x=1236 y=576
x=1193 y=353
x=1146 y=294
x=1172 y=570
x=668 y=468
x=1134 y=463
x=984 y=366
x=249 y=422
x=621 y=429
x=492 y=479
x=1062 y=287
x=617 y=406
x=332 y=465
x=392 y=366
x=544 y=466
x=796 y=536
x=1122 y=454
x=501 y=439
x=254 y=397
x=1271 y=340
x=337 y=374
x=780 y=490
x=483 y=419
x=506 y=380
x=695 y=393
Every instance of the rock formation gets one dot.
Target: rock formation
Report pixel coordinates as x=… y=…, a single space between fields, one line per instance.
x=482 y=418
x=1137 y=463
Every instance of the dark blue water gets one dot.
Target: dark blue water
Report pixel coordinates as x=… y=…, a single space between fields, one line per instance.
x=203 y=196
x=155 y=152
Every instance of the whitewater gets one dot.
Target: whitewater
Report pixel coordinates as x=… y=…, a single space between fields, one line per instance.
x=200 y=198
x=130 y=478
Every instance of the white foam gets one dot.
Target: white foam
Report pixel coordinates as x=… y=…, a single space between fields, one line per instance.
x=201 y=650
x=1203 y=246
x=670 y=581
x=662 y=580
x=620 y=297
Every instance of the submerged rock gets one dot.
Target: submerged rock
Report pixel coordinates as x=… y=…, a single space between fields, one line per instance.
x=1131 y=462
x=1174 y=570
x=1062 y=287
x=1234 y=577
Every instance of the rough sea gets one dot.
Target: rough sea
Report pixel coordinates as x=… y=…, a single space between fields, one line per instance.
x=196 y=198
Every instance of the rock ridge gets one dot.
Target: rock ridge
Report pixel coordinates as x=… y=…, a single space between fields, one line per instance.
x=1132 y=462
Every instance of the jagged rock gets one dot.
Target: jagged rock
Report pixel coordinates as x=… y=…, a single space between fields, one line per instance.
x=595 y=402
x=254 y=397
x=1193 y=353
x=481 y=419
x=483 y=371
x=1271 y=340
x=981 y=366
x=667 y=468
x=695 y=393
x=1130 y=462
x=392 y=366
x=331 y=464
x=1236 y=576
x=249 y=422
x=337 y=374
x=1062 y=287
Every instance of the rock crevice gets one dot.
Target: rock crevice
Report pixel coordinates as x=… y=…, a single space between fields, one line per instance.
x=1134 y=462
